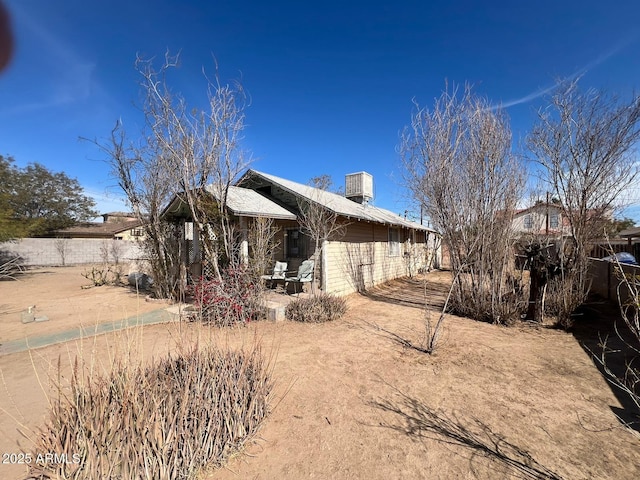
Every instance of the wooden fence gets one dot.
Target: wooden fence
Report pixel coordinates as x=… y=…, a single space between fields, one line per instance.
x=606 y=280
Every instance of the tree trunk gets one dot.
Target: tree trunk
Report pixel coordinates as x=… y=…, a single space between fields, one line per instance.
x=535 y=310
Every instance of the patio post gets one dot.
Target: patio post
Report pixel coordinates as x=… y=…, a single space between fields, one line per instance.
x=244 y=241
x=323 y=266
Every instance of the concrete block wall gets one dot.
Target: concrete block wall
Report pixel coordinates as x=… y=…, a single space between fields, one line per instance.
x=77 y=251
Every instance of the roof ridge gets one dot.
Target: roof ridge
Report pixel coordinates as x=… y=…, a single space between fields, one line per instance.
x=339 y=204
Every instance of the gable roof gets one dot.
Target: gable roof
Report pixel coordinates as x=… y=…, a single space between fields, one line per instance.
x=632 y=232
x=538 y=206
x=337 y=203
x=241 y=202
x=244 y=202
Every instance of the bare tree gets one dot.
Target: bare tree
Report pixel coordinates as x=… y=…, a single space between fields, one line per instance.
x=460 y=168
x=62 y=247
x=148 y=185
x=263 y=244
x=189 y=153
x=585 y=142
x=319 y=221
x=117 y=251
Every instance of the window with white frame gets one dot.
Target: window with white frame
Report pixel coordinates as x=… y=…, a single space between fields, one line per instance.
x=394 y=242
x=528 y=222
x=554 y=220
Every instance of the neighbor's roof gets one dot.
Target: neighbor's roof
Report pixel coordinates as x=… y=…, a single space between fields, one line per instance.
x=119 y=214
x=242 y=202
x=98 y=230
x=539 y=206
x=337 y=203
x=630 y=232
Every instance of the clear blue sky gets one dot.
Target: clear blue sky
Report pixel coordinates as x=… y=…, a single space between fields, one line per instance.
x=331 y=83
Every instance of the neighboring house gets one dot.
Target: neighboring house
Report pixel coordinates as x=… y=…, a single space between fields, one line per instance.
x=115 y=226
x=541 y=219
x=377 y=246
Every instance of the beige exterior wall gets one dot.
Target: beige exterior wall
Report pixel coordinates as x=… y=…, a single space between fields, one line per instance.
x=364 y=258
x=129 y=235
x=534 y=221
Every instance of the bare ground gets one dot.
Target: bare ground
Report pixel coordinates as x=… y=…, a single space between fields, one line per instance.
x=58 y=294
x=353 y=400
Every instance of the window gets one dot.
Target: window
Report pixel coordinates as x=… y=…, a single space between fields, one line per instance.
x=394 y=242
x=296 y=244
x=554 y=220
x=137 y=232
x=528 y=222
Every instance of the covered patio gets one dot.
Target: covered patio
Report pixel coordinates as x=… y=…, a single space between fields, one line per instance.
x=242 y=205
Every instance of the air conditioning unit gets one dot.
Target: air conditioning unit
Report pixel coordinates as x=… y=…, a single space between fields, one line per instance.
x=359 y=187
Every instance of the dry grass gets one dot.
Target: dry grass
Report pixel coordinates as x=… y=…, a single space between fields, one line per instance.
x=316 y=309
x=166 y=420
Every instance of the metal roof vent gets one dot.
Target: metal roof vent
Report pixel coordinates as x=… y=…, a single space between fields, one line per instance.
x=359 y=187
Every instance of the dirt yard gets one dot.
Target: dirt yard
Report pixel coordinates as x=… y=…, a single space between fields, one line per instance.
x=353 y=399
x=58 y=294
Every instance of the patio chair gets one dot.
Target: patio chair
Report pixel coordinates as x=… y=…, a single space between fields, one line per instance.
x=304 y=275
x=279 y=272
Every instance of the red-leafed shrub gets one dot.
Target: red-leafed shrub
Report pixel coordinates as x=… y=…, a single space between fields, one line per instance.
x=234 y=299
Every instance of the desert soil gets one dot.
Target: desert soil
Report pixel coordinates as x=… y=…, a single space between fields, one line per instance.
x=58 y=294
x=353 y=399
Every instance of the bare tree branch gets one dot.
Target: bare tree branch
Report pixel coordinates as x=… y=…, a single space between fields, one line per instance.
x=181 y=151
x=585 y=143
x=459 y=167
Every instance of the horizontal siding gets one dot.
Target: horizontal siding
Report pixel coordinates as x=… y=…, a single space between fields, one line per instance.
x=361 y=258
x=350 y=259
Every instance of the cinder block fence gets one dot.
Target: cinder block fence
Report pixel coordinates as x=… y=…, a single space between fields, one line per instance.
x=71 y=251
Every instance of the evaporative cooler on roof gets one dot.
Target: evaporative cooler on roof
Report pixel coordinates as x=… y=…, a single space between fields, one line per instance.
x=359 y=187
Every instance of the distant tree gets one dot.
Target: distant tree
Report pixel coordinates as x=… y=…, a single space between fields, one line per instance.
x=323 y=182
x=37 y=201
x=52 y=200
x=615 y=226
x=585 y=142
x=10 y=227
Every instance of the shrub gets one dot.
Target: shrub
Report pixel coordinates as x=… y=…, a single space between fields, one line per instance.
x=563 y=297
x=10 y=265
x=235 y=299
x=483 y=307
x=483 y=304
x=104 y=274
x=316 y=309
x=165 y=421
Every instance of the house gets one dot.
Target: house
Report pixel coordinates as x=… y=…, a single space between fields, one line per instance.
x=543 y=218
x=115 y=226
x=377 y=244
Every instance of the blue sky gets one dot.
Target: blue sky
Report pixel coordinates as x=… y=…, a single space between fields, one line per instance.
x=331 y=83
